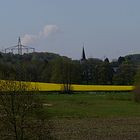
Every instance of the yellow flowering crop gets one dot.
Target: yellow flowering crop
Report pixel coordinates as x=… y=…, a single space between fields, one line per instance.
x=59 y=87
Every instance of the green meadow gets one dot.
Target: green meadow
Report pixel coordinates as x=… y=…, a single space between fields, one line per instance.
x=93 y=116
x=91 y=105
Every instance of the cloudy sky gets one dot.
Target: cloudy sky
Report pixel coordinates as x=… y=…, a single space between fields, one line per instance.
x=108 y=28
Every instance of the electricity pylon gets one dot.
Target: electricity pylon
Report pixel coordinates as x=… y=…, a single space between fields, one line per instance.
x=19 y=48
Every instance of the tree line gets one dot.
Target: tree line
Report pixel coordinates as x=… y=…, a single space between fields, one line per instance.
x=53 y=68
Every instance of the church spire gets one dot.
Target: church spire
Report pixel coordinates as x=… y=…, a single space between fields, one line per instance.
x=83 y=54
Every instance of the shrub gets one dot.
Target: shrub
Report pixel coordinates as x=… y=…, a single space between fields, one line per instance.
x=136 y=91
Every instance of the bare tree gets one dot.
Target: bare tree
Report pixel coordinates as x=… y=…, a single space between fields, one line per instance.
x=66 y=76
x=21 y=113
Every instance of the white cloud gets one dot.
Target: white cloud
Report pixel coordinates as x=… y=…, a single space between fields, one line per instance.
x=27 y=39
x=47 y=30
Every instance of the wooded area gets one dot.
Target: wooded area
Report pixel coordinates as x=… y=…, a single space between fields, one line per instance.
x=53 y=68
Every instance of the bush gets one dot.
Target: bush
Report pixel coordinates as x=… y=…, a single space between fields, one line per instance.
x=136 y=91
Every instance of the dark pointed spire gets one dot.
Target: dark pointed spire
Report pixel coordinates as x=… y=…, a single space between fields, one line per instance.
x=83 y=54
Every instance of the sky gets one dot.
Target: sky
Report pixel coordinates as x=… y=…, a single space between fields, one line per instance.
x=107 y=28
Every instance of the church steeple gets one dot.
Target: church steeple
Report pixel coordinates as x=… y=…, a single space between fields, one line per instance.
x=83 y=54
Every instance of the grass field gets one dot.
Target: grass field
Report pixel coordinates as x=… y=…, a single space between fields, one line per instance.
x=94 y=116
x=91 y=105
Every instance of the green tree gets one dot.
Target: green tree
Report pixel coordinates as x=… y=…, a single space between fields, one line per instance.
x=46 y=72
x=125 y=75
x=76 y=72
x=56 y=73
x=93 y=64
x=104 y=73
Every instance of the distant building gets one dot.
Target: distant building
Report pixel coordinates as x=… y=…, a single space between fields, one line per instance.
x=85 y=68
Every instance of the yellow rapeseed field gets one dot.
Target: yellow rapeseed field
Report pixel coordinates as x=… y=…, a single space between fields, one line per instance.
x=31 y=86
x=59 y=87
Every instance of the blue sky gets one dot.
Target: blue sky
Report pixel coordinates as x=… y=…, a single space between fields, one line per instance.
x=108 y=28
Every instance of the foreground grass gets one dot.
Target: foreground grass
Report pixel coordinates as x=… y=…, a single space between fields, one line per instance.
x=91 y=105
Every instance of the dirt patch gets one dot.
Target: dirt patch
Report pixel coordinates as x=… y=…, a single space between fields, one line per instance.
x=48 y=105
x=97 y=129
